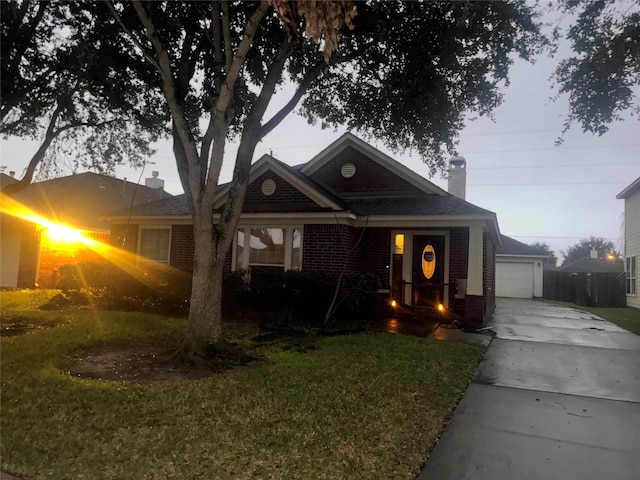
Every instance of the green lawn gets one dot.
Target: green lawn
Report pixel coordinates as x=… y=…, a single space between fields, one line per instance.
x=627 y=318
x=360 y=406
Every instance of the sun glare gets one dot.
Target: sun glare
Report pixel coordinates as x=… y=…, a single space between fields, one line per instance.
x=56 y=232
x=63 y=234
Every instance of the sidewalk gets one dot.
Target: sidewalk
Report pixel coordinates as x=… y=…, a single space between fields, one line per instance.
x=556 y=396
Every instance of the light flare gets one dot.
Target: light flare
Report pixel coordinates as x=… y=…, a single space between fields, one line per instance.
x=147 y=272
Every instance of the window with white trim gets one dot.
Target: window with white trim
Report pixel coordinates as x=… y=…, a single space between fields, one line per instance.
x=268 y=246
x=630 y=269
x=154 y=244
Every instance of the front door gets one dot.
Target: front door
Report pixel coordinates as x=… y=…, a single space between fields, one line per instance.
x=428 y=270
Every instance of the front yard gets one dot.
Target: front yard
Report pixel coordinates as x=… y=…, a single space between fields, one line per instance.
x=358 y=406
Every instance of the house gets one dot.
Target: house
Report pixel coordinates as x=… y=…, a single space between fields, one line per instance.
x=351 y=207
x=594 y=264
x=33 y=242
x=519 y=270
x=631 y=197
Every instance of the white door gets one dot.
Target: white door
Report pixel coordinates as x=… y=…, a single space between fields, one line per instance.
x=514 y=280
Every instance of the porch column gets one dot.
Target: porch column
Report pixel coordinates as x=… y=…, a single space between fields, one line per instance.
x=474 y=268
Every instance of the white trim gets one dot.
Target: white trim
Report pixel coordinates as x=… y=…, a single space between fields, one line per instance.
x=288 y=245
x=350 y=140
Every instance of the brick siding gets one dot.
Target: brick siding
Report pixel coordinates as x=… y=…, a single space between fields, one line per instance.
x=182 y=247
x=458 y=264
x=286 y=198
x=53 y=256
x=370 y=177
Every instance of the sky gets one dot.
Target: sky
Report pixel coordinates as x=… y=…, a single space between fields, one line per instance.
x=539 y=191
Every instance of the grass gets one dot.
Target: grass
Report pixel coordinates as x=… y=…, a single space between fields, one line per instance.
x=360 y=406
x=627 y=317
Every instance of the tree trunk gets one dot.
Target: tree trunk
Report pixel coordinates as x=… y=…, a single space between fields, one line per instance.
x=204 y=330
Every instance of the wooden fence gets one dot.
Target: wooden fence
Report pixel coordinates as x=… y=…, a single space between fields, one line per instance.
x=587 y=289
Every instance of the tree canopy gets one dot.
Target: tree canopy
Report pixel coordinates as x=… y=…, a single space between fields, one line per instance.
x=543 y=248
x=66 y=83
x=583 y=248
x=602 y=75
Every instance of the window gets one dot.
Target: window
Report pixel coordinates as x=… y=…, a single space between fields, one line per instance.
x=154 y=244
x=268 y=246
x=631 y=275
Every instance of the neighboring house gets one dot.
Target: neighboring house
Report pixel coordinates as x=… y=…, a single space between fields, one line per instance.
x=32 y=253
x=519 y=270
x=350 y=207
x=593 y=264
x=631 y=196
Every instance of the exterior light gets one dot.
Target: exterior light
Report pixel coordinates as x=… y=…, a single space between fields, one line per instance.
x=440 y=307
x=394 y=304
x=610 y=256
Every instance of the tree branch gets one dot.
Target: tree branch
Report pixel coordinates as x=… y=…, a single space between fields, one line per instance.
x=181 y=125
x=131 y=36
x=281 y=114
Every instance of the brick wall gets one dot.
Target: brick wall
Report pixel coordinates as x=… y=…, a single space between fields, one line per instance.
x=458 y=263
x=325 y=249
x=375 y=252
x=285 y=198
x=55 y=254
x=182 y=247
x=369 y=177
x=127 y=234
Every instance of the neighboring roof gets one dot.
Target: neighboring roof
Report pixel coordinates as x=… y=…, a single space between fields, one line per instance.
x=167 y=206
x=594 y=265
x=630 y=190
x=80 y=199
x=6 y=180
x=511 y=246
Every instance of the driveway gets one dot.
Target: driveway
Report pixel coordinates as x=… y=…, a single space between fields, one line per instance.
x=557 y=396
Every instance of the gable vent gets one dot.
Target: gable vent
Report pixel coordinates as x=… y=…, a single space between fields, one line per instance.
x=268 y=187
x=348 y=170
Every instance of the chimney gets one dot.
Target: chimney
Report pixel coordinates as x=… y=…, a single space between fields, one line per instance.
x=593 y=253
x=12 y=173
x=154 y=181
x=458 y=176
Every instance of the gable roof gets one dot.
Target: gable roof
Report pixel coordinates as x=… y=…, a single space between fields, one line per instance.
x=80 y=199
x=349 y=140
x=511 y=246
x=630 y=190
x=421 y=199
x=304 y=184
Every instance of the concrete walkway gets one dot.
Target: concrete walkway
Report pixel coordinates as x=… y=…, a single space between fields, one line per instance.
x=557 y=396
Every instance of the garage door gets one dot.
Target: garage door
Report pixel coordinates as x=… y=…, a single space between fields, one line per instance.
x=514 y=280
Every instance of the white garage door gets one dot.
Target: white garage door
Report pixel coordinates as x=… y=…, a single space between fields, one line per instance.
x=514 y=280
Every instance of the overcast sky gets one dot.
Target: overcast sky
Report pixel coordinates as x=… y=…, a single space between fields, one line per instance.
x=539 y=192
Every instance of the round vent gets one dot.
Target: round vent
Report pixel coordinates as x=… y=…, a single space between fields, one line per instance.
x=268 y=187
x=348 y=170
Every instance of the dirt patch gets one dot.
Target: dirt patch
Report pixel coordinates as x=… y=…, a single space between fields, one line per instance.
x=148 y=362
x=12 y=326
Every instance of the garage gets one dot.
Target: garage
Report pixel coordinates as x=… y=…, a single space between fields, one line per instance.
x=519 y=269
x=514 y=280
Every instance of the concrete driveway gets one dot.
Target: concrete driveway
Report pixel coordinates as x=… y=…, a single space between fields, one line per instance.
x=557 y=396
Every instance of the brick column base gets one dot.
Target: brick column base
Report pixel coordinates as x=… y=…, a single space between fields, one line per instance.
x=474 y=311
